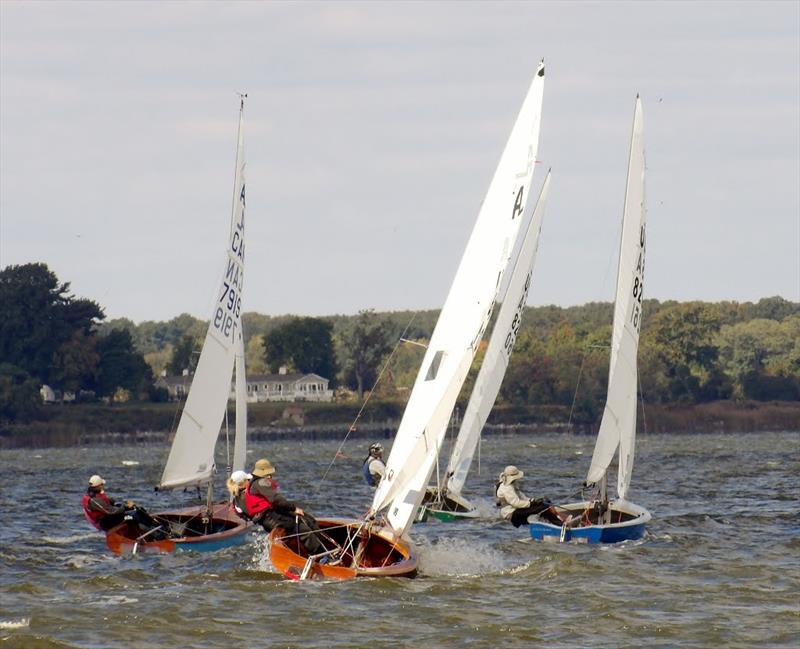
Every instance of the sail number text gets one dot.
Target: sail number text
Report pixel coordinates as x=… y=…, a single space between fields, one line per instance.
x=516 y=323
x=227 y=315
x=637 y=291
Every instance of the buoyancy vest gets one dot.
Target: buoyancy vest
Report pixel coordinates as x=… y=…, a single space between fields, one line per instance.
x=94 y=515
x=257 y=503
x=367 y=475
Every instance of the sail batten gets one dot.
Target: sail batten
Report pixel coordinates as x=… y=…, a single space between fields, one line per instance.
x=618 y=425
x=191 y=457
x=462 y=321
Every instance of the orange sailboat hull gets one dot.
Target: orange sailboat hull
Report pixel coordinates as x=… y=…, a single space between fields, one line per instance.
x=355 y=550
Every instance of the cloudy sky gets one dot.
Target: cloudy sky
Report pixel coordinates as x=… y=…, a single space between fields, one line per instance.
x=372 y=131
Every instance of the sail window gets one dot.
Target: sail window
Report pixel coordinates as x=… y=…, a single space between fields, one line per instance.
x=433 y=370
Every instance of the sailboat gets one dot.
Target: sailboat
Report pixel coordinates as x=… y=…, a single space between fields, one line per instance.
x=599 y=520
x=379 y=543
x=445 y=502
x=211 y=526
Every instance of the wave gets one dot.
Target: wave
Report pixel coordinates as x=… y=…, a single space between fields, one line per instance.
x=67 y=540
x=458 y=557
x=21 y=623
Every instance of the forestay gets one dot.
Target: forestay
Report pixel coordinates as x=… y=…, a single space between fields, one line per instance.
x=191 y=458
x=462 y=321
x=498 y=352
x=618 y=426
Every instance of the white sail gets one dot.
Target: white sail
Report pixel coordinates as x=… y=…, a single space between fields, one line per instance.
x=191 y=458
x=240 y=441
x=618 y=426
x=498 y=351
x=462 y=321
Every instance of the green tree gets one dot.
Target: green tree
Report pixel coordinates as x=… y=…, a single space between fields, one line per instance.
x=19 y=395
x=761 y=357
x=121 y=366
x=363 y=343
x=75 y=364
x=684 y=338
x=39 y=316
x=303 y=344
x=185 y=355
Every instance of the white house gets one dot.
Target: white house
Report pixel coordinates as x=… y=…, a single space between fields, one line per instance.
x=287 y=387
x=261 y=387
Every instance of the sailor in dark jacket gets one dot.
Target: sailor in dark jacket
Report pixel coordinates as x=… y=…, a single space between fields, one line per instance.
x=104 y=513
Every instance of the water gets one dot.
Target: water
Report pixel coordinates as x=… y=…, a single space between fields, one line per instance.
x=719 y=567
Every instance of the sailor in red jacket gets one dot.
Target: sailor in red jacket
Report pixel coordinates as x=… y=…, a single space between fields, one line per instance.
x=271 y=509
x=104 y=513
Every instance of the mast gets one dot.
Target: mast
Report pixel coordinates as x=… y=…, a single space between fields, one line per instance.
x=191 y=458
x=618 y=426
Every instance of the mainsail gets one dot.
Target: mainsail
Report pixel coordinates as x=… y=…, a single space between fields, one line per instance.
x=498 y=351
x=462 y=321
x=618 y=426
x=191 y=458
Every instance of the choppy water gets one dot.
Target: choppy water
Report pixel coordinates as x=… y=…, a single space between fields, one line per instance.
x=719 y=567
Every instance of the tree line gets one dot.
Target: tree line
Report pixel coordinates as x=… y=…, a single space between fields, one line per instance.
x=690 y=352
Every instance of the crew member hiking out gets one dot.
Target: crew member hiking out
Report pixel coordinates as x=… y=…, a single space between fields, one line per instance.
x=270 y=509
x=514 y=505
x=104 y=513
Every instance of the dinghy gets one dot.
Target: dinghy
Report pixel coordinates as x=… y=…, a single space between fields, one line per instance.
x=190 y=464
x=379 y=545
x=598 y=520
x=446 y=503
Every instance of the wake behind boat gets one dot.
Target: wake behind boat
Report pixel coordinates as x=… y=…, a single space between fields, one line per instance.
x=191 y=460
x=598 y=520
x=379 y=544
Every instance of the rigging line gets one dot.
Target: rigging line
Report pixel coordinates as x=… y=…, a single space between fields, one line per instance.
x=575 y=395
x=369 y=395
x=641 y=400
x=578 y=382
x=227 y=443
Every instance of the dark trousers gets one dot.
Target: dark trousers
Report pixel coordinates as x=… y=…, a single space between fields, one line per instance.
x=139 y=515
x=537 y=506
x=305 y=526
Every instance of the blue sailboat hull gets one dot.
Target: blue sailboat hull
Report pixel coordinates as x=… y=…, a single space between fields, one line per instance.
x=631 y=523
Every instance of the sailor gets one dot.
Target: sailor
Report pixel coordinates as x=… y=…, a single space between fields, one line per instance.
x=237 y=487
x=104 y=513
x=374 y=469
x=270 y=509
x=514 y=505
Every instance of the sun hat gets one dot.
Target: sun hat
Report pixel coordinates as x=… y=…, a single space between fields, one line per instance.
x=239 y=477
x=377 y=446
x=512 y=473
x=96 y=481
x=263 y=468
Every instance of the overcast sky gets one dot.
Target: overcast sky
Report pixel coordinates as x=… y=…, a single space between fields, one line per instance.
x=372 y=131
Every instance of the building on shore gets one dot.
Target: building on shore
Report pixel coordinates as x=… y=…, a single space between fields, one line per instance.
x=282 y=386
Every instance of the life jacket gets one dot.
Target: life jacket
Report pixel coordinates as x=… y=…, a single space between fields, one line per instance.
x=256 y=503
x=94 y=515
x=367 y=475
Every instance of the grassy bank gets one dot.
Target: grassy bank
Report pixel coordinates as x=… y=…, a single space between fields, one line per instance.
x=80 y=424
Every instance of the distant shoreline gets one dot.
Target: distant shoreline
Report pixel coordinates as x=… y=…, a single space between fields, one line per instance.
x=92 y=424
